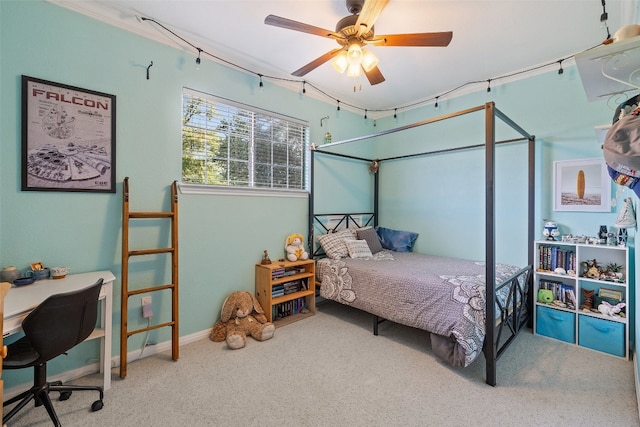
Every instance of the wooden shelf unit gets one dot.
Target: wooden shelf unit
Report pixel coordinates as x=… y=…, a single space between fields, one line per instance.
x=265 y=283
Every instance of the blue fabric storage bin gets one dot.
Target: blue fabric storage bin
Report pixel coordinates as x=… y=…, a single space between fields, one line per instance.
x=557 y=324
x=603 y=335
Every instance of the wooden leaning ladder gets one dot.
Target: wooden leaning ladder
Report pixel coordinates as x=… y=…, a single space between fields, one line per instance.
x=125 y=333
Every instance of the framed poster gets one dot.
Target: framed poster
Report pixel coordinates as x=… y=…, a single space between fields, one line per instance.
x=68 y=138
x=581 y=185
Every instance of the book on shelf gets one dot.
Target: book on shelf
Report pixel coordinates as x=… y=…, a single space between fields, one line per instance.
x=288 y=308
x=277 y=272
x=289 y=287
x=280 y=272
x=561 y=291
x=610 y=293
x=552 y=257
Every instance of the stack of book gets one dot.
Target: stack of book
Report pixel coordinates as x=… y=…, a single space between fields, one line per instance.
x=288 y=308
x=288 y=288
x=279 y=272
x=561 y=292
x=552 y=257
x=277 y=291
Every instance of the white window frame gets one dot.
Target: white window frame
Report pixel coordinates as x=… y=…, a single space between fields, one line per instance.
x=193 y=188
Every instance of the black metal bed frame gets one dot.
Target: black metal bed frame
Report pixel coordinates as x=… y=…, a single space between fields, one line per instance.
x=516 y=315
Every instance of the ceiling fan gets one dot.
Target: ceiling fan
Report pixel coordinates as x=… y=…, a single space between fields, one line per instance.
x=352 y=33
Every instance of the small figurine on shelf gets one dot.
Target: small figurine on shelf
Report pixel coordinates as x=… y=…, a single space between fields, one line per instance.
x=591 y=269
x=602 y=235
x=550 y=230
x=587 y=298
x=622 y=237
x=265 y=258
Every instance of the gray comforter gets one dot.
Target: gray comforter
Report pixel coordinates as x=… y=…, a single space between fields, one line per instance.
x=445 y=296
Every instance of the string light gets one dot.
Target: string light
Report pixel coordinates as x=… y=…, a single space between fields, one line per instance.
x=411 y=105
x=604 y=17
x=365 y=114
x=560 y=71
x=304 y=89
x=198 y=59
x=395 y=113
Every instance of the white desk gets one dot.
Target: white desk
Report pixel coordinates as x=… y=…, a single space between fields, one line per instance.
x=21 y=300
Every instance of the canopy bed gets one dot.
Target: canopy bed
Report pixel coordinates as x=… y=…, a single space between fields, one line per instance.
x=468 y=307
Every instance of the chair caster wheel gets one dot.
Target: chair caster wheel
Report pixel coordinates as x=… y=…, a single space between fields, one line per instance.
x=64 y=395
x=97 y=405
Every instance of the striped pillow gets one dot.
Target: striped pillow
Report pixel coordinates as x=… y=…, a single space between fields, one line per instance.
x=358 y=249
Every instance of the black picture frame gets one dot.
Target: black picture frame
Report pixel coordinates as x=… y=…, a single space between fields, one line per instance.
x=68 y=138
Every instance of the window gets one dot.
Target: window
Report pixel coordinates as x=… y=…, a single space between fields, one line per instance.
x=228 y=144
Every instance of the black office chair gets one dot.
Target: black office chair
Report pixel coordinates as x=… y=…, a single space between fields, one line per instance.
x=58 y=324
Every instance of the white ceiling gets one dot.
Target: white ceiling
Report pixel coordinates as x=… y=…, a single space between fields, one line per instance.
x=491 y=39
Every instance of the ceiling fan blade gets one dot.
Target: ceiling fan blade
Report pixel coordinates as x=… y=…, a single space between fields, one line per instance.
x=370 y=12
x=290 y=24
x=416 y=39
x=374 y=76
x=316 y=63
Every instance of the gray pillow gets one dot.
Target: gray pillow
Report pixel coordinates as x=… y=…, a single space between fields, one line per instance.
x=370 y=235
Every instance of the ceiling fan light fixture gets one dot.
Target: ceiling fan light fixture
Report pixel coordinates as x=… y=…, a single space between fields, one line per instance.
x=340 y=62
x=353 y=33
x=353 y=70
x=354 y=53
x=369 y=60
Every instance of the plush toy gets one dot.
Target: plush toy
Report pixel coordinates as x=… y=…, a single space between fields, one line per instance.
x=592 y=269
x=294 y=248
x=545 y=295
x=242 y=315
x=610 y=310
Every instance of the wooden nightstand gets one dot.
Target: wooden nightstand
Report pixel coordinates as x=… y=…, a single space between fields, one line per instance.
x=287 y=290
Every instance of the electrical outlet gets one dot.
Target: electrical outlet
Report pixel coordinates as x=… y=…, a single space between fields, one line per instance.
x=147 y=309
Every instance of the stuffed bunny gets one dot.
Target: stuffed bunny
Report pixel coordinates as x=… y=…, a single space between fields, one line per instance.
x=610 y=310
x=241 y=315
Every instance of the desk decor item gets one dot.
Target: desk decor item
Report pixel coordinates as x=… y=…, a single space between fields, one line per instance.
x=39 y=271
x=59 y=272
x=68 y=138
x=9 y=274
x=24 y=281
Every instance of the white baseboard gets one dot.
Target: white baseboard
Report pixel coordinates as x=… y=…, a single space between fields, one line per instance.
x=152 y=349
x=115 y=362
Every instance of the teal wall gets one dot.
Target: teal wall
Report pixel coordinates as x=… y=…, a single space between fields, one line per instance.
x=221 y=237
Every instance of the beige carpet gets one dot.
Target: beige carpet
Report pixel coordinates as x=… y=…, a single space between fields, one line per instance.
x=329 y=370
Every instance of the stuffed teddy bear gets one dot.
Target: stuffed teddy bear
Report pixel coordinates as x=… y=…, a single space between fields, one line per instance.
x=294 y=248
x=241 y=315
